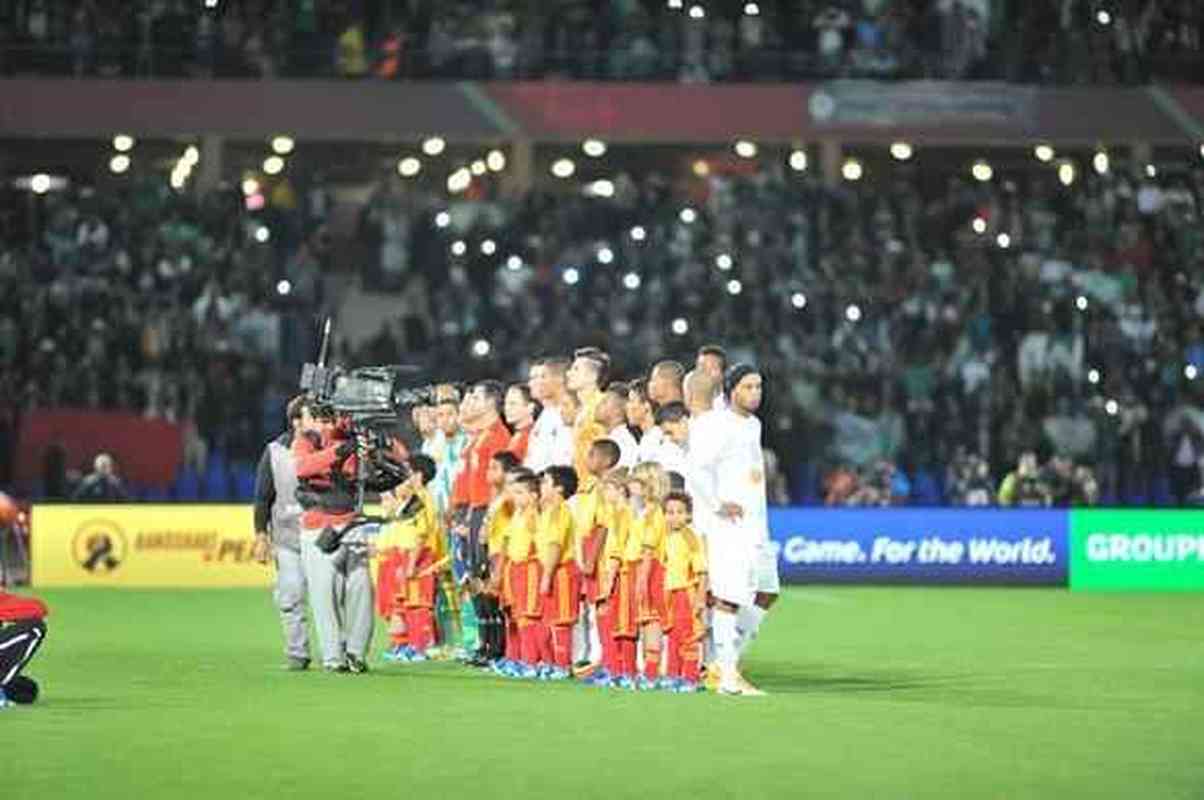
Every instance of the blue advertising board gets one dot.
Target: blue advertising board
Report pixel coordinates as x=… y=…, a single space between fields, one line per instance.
x=921 y=545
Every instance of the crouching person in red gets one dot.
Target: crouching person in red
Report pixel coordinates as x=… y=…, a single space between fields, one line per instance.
x=22 y=631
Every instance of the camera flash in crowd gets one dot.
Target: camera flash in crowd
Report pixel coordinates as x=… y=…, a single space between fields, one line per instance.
x=638 y=234
x=734 y=287
x=408 y=167
x=1066 y=174
x=433 y=146
x=982 y=171
x=481 y=348
x=514 y=263
x=273 y=165
x=751 y=9
x=688 y=215
x=697 y=12
x=459 y=180
x=283 y=288
x=262 y=234
x=1080 y=303
x=191 y=155
x=123 y=143
x=459 y=247
x=853 y=312
x=674 y=4
x=119 y=163
x=442 y=219
x=495 y=160
x=1190 y=372
x=1004 y=241
x=901 y=151
x=250 y=186
x=283 y=145
x=746 y=149
x=488 y=247
x=1103 y=17
x=680 y=326
x=605 y=255
x=602 y=188
x=1101 y=162
x=631 y=281
x=478 y=167
x=798 y=160
x=1044 y=153
x=979 y=225
x=594 y=148
x=798 y=300
x=571 y=276
x=1112 y=408
x=1151 y=171
x=852 y=170
x=723 y=261
x=1093 y=376
x=563 y=168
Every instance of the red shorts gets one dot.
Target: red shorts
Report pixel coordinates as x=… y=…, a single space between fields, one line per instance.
x=562 y=605
x=589 y=583
x=654 y=608
x=524 y=588
x=388 y=590
x=622 y=603
x=506 y=598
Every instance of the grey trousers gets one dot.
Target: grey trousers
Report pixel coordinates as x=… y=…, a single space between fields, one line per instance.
x=289 y=595
x=340 y=598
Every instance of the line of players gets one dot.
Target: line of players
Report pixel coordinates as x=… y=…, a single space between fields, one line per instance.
x=570 y=536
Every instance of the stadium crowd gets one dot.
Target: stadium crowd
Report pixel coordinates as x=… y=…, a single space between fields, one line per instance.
x=1075 y=41
x=897 y=340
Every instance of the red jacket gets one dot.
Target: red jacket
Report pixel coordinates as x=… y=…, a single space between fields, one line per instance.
x=14 y=607
x=494 y=440
x=520 y=442
x=314 y=463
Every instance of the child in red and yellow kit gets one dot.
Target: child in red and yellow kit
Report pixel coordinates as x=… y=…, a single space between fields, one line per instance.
x=412 y=553
x=493 y=602
x=523 y=571
x=650 y=529
x=589 y=511
x=560 y=577
x=615 y=519
x=686 y=583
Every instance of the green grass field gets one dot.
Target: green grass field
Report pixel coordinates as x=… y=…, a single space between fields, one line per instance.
x=875 y=693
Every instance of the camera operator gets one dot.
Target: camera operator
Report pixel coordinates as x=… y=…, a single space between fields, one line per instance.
x=278 y=535
x=339 y=583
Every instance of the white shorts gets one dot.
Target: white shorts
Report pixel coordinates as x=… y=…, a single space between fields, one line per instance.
x=767 y=581
x=732 y=563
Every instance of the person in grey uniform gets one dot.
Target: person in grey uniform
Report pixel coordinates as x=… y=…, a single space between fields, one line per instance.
x=278 y=536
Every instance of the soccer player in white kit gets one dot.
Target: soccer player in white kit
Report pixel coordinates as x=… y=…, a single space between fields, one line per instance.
x=728 y=479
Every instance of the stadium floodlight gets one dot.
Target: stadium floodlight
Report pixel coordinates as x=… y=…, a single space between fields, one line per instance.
x=798 y=300
x=481 y=348
x=632 y=281
x=442 y=219
x=852 y=170
x=119 y=163
x=478 y=167
x=459 y=247
x=283 y=145
x=853 y=312
x=746 y=149
x=901 y=151
x=594 y=148
x=123 y=143
x=563 y=168
x=514 y=263
x=605 y=255
x=434 y=146
x=798 y=160
x=638 y=234
x=982 y=171
x=408 y=167
x=697 y=12
x=571 y=276
x=1101 y=163
x=1004 y=241
x=273 y=165
x=680 y=326
x=734 y=287
x=723 y=262
x=1044 y=153
x=488 y=247
x=688 y=215
x=495 y=160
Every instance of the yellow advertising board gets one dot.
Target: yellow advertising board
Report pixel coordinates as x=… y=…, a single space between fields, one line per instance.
x=144 y=546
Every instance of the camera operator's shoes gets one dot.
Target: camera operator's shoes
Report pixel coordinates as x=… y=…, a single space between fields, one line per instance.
x=335 y=668
x=356 y=665
x=4 y=701
x=296 y=664
x=22 y=690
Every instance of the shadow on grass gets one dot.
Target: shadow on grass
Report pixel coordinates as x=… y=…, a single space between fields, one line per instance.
x=780 y=678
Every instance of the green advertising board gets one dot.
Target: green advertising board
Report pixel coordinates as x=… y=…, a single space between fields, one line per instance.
x=1137 y=549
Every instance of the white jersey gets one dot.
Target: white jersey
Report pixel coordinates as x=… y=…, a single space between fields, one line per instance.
x=670 y=455
x=551 y=442
x=628 y=447
x=649 y=445
x=728 y=466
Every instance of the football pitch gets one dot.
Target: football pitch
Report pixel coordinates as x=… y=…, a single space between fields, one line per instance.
x=874 y=693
